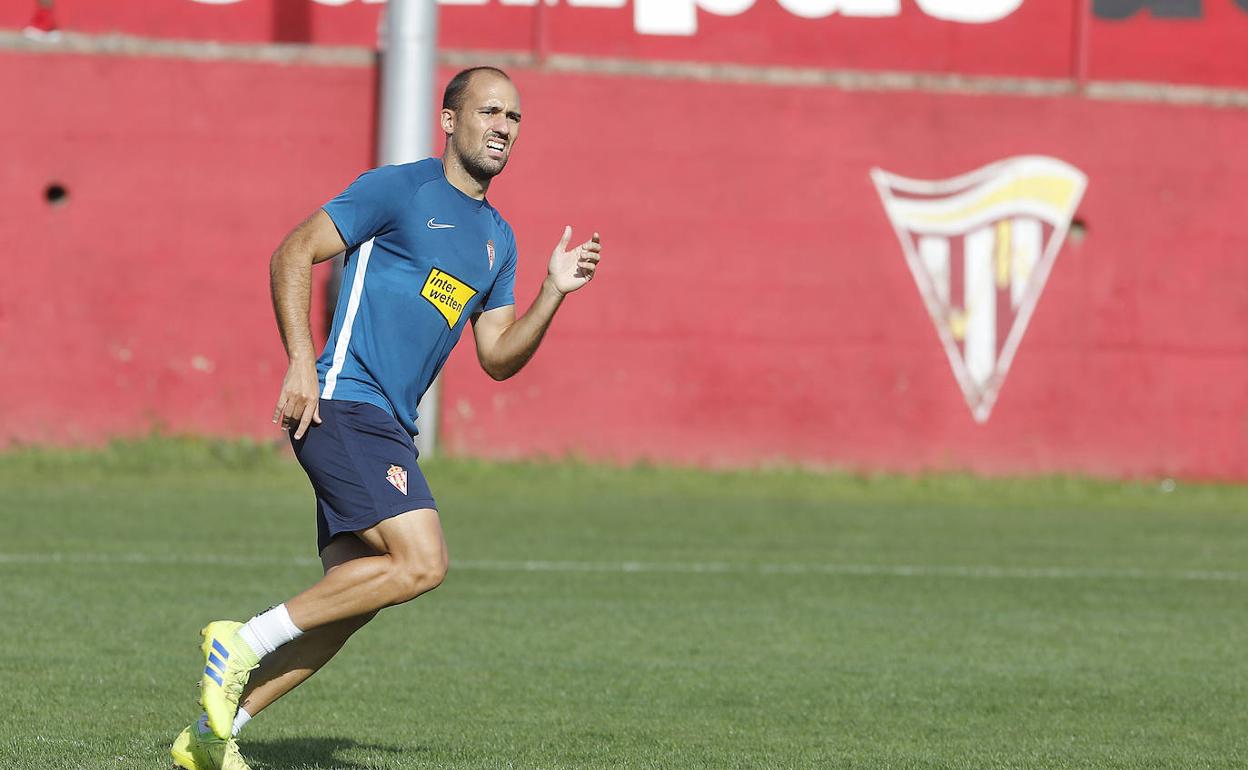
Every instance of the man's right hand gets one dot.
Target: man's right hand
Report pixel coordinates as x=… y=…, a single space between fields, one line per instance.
x=298 y=405
x=316 y=239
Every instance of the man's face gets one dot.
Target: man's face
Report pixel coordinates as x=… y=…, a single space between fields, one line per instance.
x=486 y=126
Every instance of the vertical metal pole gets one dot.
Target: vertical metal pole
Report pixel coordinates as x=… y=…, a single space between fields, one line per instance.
x=541 y=33
x=409 y=48
x=1082 y=30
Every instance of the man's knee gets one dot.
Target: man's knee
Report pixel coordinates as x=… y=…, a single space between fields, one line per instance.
x=418 y=576
x=413 y=541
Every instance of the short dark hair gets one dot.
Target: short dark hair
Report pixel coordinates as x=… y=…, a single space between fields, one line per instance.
x=453 y=96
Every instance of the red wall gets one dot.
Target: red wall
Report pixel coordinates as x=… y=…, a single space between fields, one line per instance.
x=142 y=300
x=1208 y=50
x=1033 y=38
x=754 y=306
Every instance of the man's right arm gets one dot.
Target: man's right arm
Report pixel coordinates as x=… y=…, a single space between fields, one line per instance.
x=290 y=281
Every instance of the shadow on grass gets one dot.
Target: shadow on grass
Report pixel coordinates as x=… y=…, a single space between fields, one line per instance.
x=282 y=753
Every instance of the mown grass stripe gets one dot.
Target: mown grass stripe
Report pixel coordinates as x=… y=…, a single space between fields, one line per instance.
x=979 y=572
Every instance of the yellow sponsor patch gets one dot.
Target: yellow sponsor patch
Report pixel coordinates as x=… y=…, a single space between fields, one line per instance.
x=448 y=294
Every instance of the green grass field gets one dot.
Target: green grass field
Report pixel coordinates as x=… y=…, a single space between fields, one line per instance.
x=640 y=618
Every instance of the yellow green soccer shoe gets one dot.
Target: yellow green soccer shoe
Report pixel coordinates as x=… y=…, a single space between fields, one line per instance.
x=183 y=751
x=195 y=751
x=230 y=758
x=228 y=662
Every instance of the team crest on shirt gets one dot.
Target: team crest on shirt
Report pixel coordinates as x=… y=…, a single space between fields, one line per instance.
x=397 y=478
x=489 y=252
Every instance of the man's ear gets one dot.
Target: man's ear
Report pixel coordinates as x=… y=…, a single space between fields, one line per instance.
x=448 y=121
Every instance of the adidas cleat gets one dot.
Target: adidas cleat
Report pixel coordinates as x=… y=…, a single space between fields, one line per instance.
x=194 y=750
x=228 y=662
x=183 y=751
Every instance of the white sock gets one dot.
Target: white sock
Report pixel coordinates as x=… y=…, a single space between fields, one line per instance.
x=240 y=719
x=269 y=630
x=202 y=725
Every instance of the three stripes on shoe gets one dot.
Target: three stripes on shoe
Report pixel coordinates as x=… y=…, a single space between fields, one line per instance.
x=217 y=658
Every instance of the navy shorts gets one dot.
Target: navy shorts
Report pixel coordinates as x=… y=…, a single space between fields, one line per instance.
x=362 y=465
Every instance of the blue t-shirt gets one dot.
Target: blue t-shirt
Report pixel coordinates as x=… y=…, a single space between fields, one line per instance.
x=422 y=258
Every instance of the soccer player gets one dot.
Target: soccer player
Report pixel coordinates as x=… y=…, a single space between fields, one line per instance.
x=425 y=255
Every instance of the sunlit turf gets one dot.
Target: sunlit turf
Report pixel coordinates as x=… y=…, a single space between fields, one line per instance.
x=640 y=618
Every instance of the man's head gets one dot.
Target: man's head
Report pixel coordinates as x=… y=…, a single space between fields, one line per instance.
x=481 y=119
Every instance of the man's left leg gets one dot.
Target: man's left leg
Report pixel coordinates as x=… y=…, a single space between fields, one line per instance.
x=292 y=663
x=363 y=467
x=409 y=559
x=279 y=673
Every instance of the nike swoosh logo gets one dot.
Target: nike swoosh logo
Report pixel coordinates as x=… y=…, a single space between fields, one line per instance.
x=435 y=226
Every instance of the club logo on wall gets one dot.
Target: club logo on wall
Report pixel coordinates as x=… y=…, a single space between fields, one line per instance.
x=981 y=247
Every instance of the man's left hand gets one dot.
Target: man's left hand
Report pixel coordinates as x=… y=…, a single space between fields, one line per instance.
x=569 y=270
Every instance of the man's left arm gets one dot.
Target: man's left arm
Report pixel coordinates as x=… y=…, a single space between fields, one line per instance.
x=506 y=343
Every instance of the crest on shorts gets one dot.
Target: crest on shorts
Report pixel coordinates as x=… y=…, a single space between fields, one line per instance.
x=489 y=252
x=980 y=247
x=397 y=478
